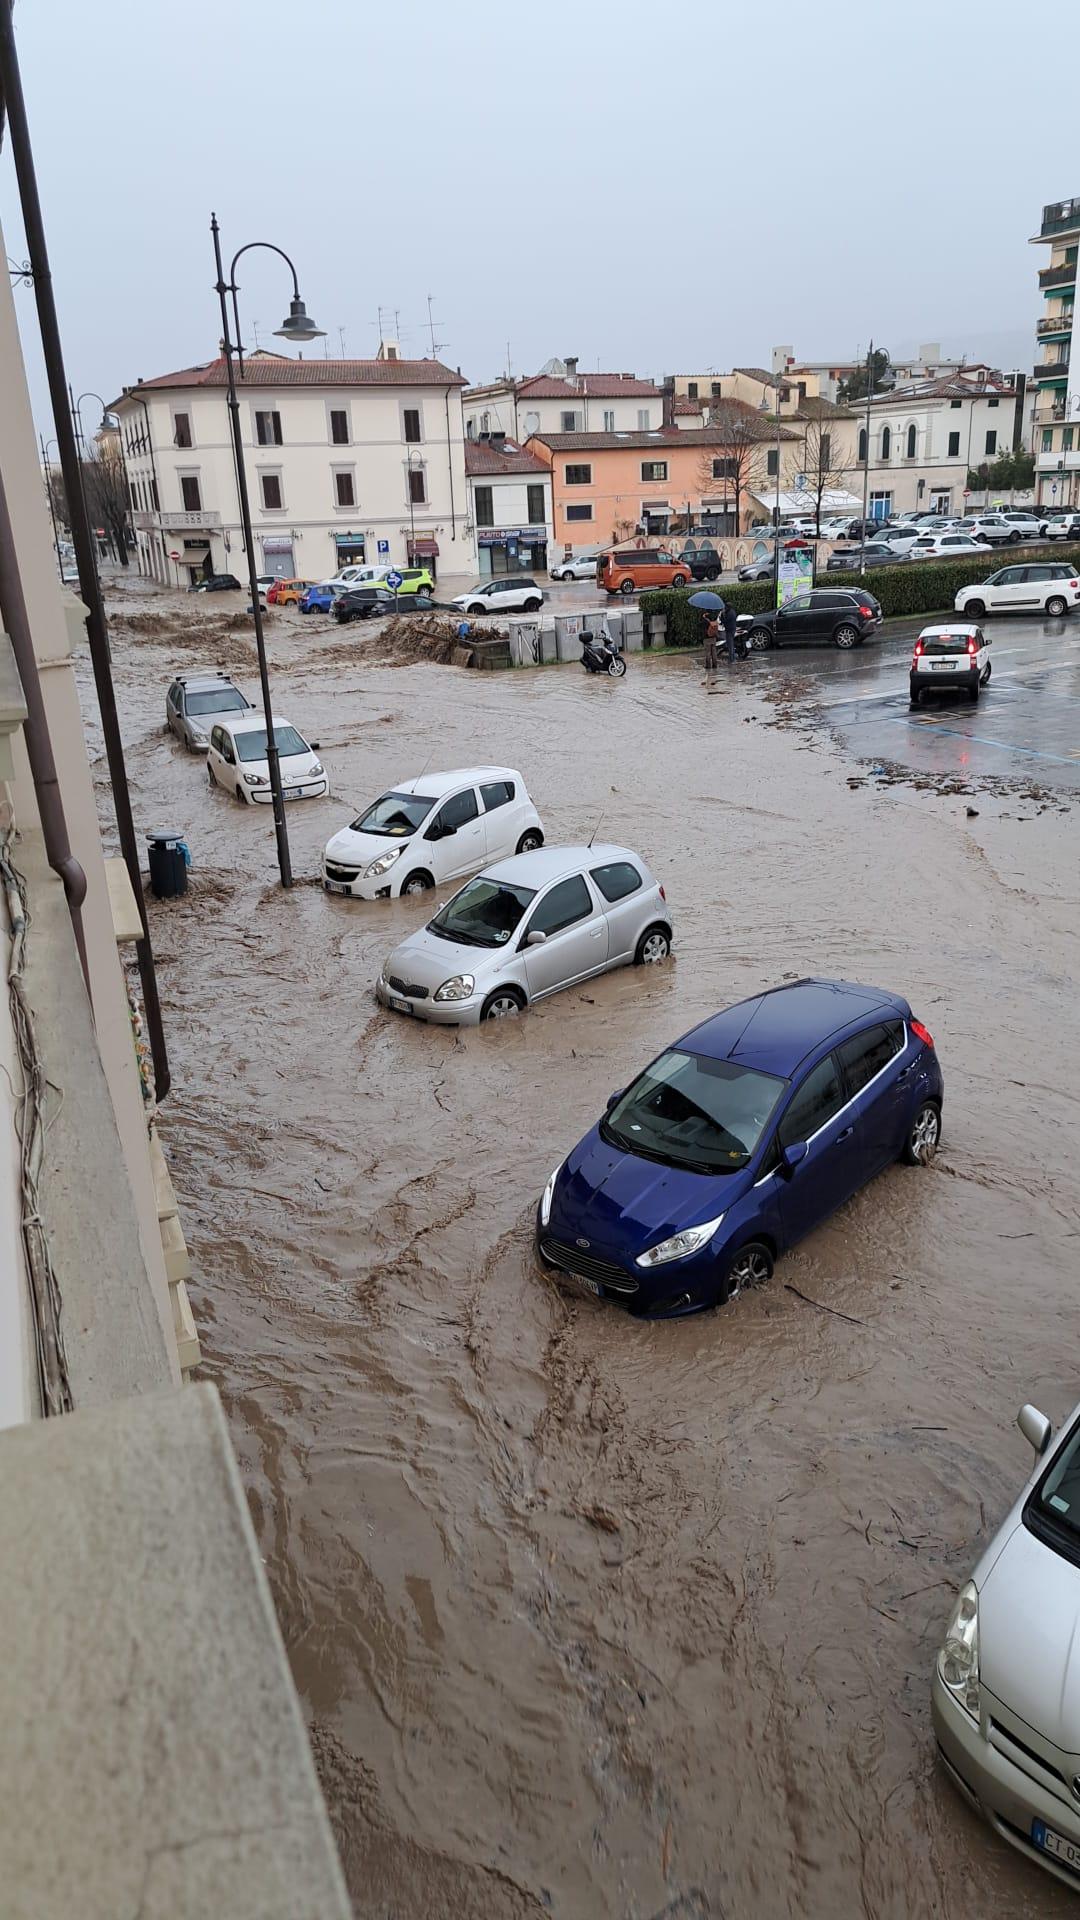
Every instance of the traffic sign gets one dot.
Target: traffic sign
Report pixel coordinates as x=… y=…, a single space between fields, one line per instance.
x=1053 y=488
x=384 y=546
x=393 y=579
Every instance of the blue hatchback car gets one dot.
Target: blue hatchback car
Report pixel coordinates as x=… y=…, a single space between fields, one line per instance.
x=737 y=1141
x=319 y=599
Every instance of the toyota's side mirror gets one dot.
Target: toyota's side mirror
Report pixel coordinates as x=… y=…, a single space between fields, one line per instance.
x=1035 y=1428
x=535 y=939
x=793 y=1157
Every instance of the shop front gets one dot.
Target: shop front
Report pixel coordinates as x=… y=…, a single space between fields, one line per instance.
x=278 y=556
x=512 y=550
x=423 y=551
x=349 y=550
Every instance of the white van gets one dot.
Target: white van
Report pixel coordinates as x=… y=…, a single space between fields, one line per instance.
x=359 y=576
x=439 y=826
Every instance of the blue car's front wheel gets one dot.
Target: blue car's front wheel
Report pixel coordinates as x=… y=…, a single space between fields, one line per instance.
x=750 y=1266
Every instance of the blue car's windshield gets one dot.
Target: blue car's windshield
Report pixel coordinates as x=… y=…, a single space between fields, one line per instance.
x=689 y=1111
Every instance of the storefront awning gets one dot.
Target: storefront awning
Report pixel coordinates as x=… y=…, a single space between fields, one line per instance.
x=655 y=506
x=422 y=547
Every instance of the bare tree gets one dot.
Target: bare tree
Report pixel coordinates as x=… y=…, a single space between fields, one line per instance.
x=106 y=490
x=736 y=462
x=821 y=463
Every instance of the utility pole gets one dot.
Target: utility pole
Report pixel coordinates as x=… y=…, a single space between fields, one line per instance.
x=866 y=460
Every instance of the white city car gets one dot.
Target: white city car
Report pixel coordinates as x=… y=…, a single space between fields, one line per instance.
x=1047 y=587
x=947 y=546
x=525 y=928
x=1005 y=1703
x=237 y=760
x=507 y=593
x=436 y=827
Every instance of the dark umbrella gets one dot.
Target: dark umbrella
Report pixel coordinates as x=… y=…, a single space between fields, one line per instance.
x=708 y=602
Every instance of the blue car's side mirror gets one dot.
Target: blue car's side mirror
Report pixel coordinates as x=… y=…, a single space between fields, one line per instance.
x=793 y=1157
x=612 y=1101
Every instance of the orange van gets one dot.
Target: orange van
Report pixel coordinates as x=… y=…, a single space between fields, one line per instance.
x=633 y=567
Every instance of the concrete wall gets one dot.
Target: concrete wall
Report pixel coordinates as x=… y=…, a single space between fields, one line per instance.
x=377 y=457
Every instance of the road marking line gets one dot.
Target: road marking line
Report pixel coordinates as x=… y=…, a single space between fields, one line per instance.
x=982 y=739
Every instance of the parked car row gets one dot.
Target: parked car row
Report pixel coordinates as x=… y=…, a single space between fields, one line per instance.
x=210 y=715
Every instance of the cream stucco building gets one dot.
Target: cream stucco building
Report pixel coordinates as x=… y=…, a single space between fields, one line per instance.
x=347 y=460
x=563 y=400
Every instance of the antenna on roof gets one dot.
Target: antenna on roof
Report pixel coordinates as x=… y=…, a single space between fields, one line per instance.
x=341 y=337
x=436 y=345
x=596 y=829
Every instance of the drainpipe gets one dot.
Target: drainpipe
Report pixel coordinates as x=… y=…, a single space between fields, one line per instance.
x=450 y=463
x=89 y=583
x=36 y=729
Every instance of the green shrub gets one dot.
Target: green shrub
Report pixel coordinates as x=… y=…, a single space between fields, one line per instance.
x=922 y=586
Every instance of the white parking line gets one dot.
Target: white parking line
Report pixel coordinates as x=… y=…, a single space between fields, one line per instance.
x=1017 y=673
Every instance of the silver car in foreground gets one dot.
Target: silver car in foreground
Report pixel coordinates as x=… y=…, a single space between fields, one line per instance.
x=526 y=927
x=1006 y=1688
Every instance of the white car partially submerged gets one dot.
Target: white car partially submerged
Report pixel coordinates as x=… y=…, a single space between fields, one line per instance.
x=430 y=829
x=237 y=760
x=1005 y=1697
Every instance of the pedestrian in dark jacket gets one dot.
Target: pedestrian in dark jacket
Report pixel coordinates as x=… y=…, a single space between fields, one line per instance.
x=712 y=635
x=730 y=621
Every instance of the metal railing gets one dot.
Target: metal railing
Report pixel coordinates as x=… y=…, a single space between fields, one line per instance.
x=1056 y=323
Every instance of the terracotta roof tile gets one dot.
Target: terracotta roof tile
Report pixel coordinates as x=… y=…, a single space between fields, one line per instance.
x=591 y=386
x=660 y=438
x=272 y=372
x=482 y=457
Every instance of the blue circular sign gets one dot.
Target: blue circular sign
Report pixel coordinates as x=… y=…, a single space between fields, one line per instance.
x=393 y=579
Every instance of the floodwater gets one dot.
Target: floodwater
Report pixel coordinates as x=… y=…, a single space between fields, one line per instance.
x=594 y=1618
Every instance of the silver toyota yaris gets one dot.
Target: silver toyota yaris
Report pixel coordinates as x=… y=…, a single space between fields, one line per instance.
x=524 y=928
x=1006 y=1688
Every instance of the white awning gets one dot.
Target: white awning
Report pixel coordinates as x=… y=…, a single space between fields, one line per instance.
x=833 y=500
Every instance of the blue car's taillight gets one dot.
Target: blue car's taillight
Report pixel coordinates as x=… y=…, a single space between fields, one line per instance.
x=921 y=1033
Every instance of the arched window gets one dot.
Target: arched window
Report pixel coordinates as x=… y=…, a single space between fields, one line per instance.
x=862 y=443
x=911 y=443
x=886 y=442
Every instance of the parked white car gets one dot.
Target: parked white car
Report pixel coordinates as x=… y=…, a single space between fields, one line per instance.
x=1005 y=1704
x=582 y=567
x=952 y=657
x=1030 y=526
x=237 y=760
x=507 y=593
x=358 y=576
x=991 y=528
x=434 y=828
x=526 y=928
x=902 y=538
x=946 y=546
x=1048 y=587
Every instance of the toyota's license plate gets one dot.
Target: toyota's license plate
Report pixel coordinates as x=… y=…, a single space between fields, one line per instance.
x=335 y=886
x=591 y=1286
x=1048 y=1841
x=400 y=1006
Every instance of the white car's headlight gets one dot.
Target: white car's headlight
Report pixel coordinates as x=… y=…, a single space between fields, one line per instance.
x=548 y=1194
x=690 y=1240
x=461 y=987
x=958 y=1660
x=383 y=863
x=257 y=779
x=315 y=772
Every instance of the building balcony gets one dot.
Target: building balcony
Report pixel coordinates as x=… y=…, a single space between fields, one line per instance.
x=1059 y=276
x=200 y=522
x=1055 y=323
x=1045 y=416
x=1052 y=370
x=1061 y=216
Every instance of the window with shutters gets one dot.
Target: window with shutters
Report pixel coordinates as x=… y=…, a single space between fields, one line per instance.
x=485 y=506
x=267 y=428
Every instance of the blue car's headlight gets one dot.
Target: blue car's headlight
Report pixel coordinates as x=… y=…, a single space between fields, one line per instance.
x=549 y=1190
x=690 y=1240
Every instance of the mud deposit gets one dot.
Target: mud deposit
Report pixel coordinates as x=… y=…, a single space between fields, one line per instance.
x=592 y=1618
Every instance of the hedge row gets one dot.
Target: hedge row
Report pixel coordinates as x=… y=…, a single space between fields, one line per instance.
x=922 y=586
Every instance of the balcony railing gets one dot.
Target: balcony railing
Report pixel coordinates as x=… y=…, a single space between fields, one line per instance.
x=1052 y=370
x=199 y=522
x=1061 y=216
x=1058 y=276
x=1045 y=416
x=1055 y=323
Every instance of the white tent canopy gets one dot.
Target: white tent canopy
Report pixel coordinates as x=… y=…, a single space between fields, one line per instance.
x=833 y=500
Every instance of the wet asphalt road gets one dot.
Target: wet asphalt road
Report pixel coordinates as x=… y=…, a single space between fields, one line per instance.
x=594 y=1618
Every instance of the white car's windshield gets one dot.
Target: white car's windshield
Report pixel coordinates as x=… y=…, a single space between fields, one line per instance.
x=396 y=814
x=252 y=746
x=691 y=1111
x=484 y=914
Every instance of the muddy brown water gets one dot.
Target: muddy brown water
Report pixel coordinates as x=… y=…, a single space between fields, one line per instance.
x=591 y=1617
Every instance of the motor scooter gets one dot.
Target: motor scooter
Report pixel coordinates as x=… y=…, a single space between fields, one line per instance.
x=599 y=655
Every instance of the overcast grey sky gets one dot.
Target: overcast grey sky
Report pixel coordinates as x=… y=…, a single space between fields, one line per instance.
x=653 y=191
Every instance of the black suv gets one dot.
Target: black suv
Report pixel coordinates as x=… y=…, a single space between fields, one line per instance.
x=217 y=583
x=360 y=603
x=704 y=562
x=843 y=615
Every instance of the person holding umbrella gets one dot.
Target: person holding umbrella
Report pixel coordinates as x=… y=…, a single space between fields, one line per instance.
x=712 y=606
x=730 y=620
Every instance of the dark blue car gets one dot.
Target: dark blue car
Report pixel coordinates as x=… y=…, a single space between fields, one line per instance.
x=737 y=1141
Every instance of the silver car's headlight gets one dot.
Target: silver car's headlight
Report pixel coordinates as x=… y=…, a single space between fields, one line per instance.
x=199 y=739
x=548 y=1195
x=386 y=968
x=690 y=1240
x=384 y=861
x=461 y=987
x=958 y=1660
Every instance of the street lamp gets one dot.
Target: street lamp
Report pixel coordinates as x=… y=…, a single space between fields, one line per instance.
x=47 y=471
x=76 y=417
x=297 y=325
x=764 y=408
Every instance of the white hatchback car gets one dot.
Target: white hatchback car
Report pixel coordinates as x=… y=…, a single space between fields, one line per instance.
x=237 y=760
x=951 y=658
x=507 y=593
x=1049 y=587
x=1005 y=1703
x=526 y=928
x=947 y=546
x=437 y=827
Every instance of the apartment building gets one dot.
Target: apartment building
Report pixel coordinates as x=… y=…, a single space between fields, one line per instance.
x=347 y=460
x=1056 y=417
x=559 y=399
x=923 y=438
x=510 y=506
x=154 y=1757
x=607 y=487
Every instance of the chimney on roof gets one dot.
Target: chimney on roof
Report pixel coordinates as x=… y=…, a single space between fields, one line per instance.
x=571 y=369
x=389 y=350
